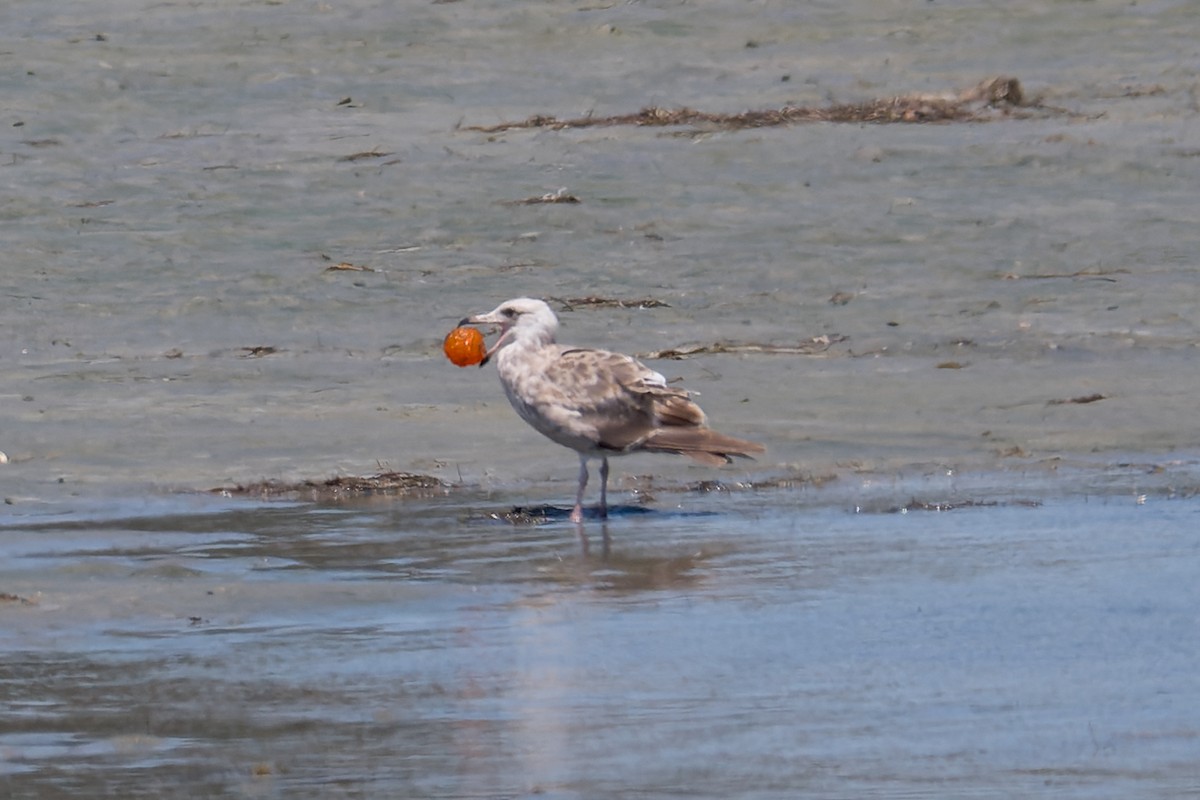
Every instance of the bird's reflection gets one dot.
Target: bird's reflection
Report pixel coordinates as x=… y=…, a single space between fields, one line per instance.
x=584 y=542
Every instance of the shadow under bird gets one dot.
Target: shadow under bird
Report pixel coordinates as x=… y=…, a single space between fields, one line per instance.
x=596 y=402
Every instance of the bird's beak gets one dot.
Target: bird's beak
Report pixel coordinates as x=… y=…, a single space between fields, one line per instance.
x=487 y=319
x=490 y=318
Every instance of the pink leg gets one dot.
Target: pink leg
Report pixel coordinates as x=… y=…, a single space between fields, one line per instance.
x=577 y=512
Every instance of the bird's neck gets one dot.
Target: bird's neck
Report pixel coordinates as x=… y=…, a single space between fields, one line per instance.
x=521 y=346
x=531 y=338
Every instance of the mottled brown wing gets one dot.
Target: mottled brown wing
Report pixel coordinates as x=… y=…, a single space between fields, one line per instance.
x=669 y=406
x=623 y=400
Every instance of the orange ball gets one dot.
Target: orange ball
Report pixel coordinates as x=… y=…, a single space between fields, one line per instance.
x=464 y=346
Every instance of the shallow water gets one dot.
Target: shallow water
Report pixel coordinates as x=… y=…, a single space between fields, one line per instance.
x=178 y=178
x=739 y=646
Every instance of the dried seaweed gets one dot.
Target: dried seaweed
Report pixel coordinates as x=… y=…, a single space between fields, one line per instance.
x=346 y=266
x=841 y=298
x=593 y=301
x=258 y=351
x=994 y=98
x=365 y=154
x=813 y=346
x=1083 y=400
x=560 y=196
x=339 y=487
x=522 y=516
x=1095 y=274
x=952 y=505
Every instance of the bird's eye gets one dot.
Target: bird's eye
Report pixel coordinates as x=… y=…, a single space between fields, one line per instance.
x=511 y=313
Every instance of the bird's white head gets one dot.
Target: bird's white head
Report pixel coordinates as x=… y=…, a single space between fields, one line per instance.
x=524 y=321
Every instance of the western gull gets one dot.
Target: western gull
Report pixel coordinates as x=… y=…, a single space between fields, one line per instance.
x=595 y=402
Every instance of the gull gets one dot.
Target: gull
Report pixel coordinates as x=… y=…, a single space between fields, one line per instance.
x=596 y=402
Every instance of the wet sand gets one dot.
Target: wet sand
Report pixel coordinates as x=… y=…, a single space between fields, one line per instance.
x=182 y=178
x=1007 y=329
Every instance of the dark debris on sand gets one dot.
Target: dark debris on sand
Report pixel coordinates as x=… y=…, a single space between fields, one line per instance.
x=1079 y=401
x=952 y=505
x=765 y=484
x=551 y=198
x=522 y=516
x=808 y=347
x=340 y=487
x=595 y=301
x=993 y=98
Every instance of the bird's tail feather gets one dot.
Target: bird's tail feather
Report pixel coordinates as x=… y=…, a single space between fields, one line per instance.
x=701 y=444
